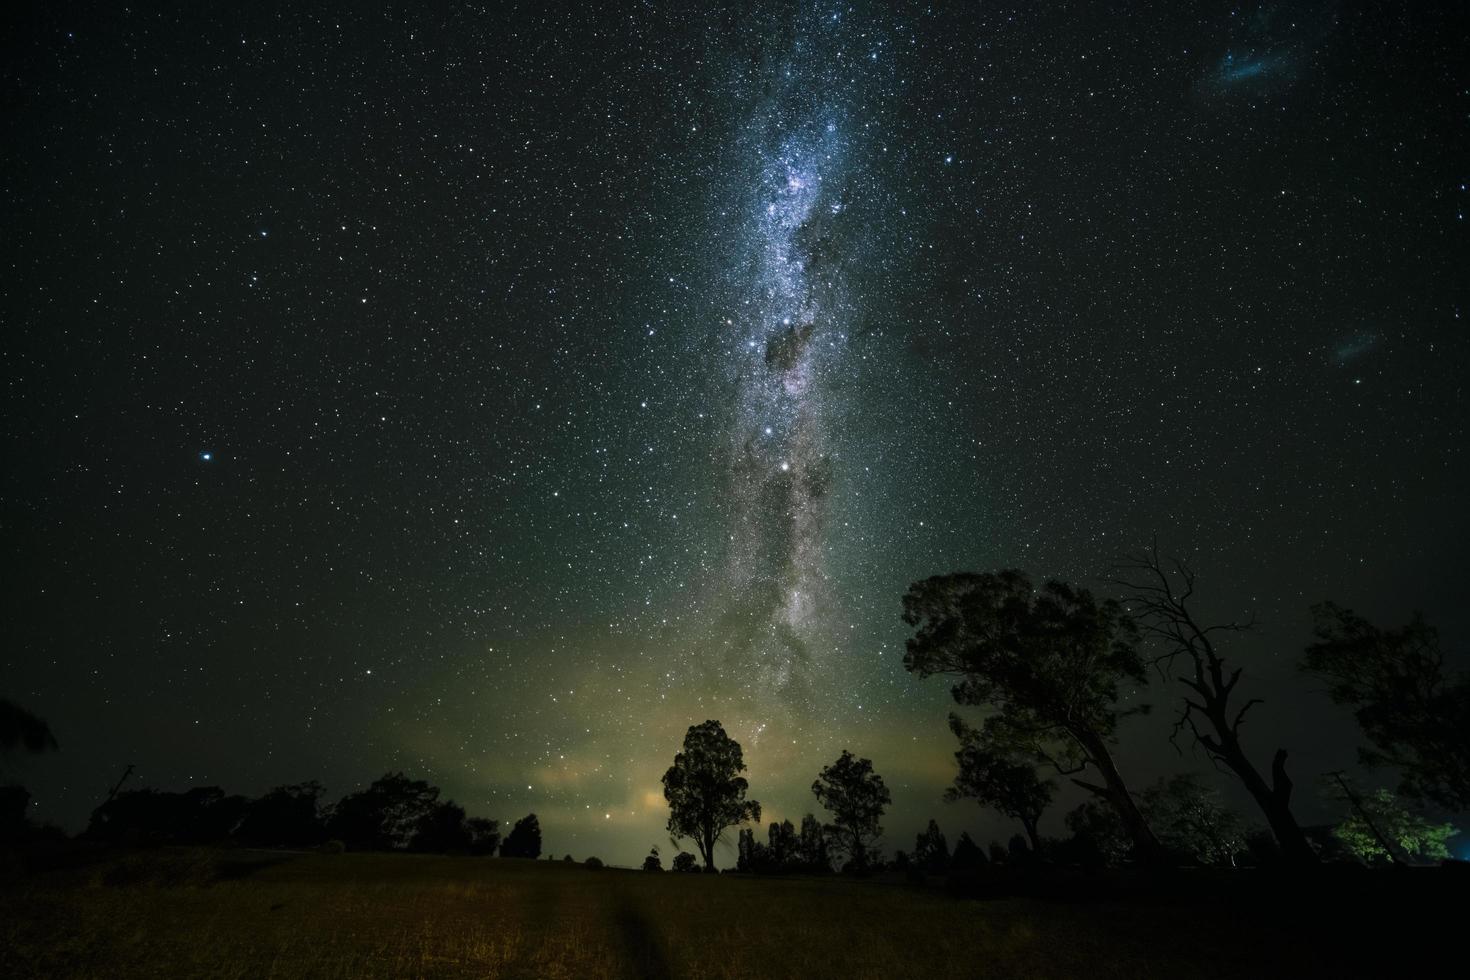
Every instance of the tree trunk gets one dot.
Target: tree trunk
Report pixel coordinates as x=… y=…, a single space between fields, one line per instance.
x=1030 y=824
x=707 y=850
x=1274 y=799
x=1147 y=849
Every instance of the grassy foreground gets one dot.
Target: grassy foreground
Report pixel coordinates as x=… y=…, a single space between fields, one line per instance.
x=188 y=913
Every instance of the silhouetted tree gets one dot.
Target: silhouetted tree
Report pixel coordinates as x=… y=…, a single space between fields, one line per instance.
x=484 y=835
x=524 y=839
x=931 y=850
x=1048 y=662
x=782 y=846
x=1019 y=851
x=21 y=729
x=1415 y=715
x=684 y=861
x=705 y=790
x=998 y=853
x=854 y=794
x=1098 y=835
x=653 y=862
x=14 y=812
x=812 y=846
x=287 y=816
x=591 y=862
x=1193 y=822
x=967 y=855
x=750 y=854
x=991 y=775
x=202 y=815
x=384 y=816
x=1211 y=713
x=442 y=830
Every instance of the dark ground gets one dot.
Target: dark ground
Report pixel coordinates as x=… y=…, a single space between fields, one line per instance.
x=82 y=912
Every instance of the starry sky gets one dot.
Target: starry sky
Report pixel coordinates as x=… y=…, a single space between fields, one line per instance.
x=494 y=391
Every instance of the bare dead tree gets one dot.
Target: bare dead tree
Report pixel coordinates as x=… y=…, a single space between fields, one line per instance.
x=1212 y=714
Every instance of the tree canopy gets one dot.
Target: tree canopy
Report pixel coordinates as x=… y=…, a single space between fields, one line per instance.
x=705 y=790
x=1415 y=714
x=1050 y=663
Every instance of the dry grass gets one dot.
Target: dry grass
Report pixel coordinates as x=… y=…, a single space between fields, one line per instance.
x=198 y=914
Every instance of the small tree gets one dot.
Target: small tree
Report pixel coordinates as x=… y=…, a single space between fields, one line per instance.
x=705 y=790
x=854 y=794
x=385 y=815
x=1193 y=821
x=931 y=850
x=1098 y=836
x=1416 y=716
x=967 y=855
x=653 y=862
x=524 y=839
x=686 y=862
x=1048 y=662
x=781 y=843
x=443 y=830
x=993 y=776
x=484 y=835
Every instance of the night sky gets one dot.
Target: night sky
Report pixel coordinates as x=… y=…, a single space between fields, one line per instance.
x=494 y=393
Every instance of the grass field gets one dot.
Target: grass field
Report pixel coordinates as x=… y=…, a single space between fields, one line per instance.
x=193 y=913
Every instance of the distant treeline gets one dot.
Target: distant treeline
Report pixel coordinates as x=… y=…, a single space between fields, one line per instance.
x=394 y=813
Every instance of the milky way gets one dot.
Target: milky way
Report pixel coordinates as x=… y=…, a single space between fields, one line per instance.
x=786 y=344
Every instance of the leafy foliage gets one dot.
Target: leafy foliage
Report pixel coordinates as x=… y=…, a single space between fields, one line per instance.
x=686 y=862
x=1382 y=814
x=653 y=862
x=705 y=790
x=854 y=794
x=1415 y=715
